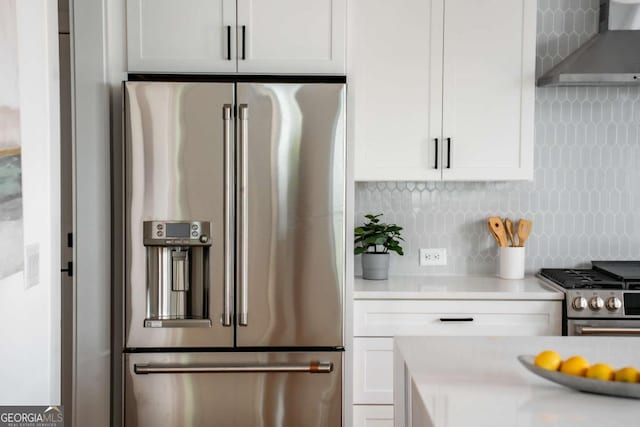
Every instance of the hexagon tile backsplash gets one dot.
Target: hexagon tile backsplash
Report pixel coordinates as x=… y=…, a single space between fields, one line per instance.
x=585 y=198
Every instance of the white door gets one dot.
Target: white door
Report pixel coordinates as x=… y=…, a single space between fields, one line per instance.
x=291 y=36
x=184 y=36
x=489 y=83
x=30 y=202
x=395 y=88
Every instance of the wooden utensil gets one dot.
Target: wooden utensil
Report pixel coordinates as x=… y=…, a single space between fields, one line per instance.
x=509 y=226
x=524 y=229
x=493 y=233
x=498 y=228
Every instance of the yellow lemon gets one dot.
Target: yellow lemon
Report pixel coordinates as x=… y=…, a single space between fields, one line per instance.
x=576 y=365
x=548 y=359
x=627 y=374
x=600 y=371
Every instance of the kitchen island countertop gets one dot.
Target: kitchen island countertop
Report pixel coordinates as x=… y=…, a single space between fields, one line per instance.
x=478 y=381
x=455 y=287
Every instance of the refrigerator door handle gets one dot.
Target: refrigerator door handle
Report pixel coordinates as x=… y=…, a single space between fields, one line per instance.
x=228 y=238
x=313 y=367
x=243 y=169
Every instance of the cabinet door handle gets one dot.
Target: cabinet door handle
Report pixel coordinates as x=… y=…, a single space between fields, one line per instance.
x=436 y=165
x=448 y=153
x=456 y=319
x=228 y=42
x=244 y=43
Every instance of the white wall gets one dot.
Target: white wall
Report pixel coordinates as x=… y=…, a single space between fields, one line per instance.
x=30 y=317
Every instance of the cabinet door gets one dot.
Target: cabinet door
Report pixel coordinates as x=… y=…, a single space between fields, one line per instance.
x=291 y=36
x=184 y=36
x=395 y=88
x=373 y=416
x=489 y=83
x=373 y=371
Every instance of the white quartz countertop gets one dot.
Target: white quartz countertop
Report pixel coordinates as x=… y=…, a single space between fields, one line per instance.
x=478 y=381
x=455 y=287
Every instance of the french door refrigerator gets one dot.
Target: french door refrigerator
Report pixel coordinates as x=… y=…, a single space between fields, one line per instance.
x=234 y=253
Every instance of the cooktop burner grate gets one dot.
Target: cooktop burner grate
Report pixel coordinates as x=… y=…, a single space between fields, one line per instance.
x=581 y=278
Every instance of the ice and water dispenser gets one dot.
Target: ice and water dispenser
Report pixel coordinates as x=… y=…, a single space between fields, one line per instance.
x=177 y=273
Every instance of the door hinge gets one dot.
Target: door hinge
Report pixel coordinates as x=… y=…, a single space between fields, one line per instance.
x=68 y=270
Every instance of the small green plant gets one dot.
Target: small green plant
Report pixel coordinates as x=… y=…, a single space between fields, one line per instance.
x=374 y=233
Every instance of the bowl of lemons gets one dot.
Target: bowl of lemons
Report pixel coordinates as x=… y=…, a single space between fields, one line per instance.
x=577 y=373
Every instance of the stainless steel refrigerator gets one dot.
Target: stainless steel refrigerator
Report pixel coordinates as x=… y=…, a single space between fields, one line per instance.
x=234 y=253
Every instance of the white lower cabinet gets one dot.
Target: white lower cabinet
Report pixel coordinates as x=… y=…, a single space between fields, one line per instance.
x=376 y=322
x=373 y=371
x=380 y=318
x=373 y=416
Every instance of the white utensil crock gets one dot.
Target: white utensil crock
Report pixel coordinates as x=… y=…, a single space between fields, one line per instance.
x=511 y=262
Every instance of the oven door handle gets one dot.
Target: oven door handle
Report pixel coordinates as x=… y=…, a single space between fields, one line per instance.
x=592 y=330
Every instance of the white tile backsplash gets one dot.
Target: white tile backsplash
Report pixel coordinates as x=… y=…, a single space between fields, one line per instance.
x=585 y=198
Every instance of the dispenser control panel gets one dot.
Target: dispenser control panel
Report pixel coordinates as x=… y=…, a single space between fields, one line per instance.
x=176 y=233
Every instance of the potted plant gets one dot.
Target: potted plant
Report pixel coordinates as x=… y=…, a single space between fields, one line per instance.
x=374 y=240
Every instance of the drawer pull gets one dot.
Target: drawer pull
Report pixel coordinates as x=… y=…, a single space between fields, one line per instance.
x=456 y=319
x=313 y=367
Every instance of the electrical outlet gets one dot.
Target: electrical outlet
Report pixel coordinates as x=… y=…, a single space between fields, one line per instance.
x=32 y=267
x=433 y=256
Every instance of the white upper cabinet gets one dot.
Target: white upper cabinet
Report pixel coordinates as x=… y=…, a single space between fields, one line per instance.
x=291 y=36
x=395 y=88
x=260 y=37
x=458 y=72
x=181 y=36
x=489 y=89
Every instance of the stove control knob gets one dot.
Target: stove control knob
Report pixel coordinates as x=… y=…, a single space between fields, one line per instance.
x=596 y=303
x=579 y=303
x=613 y=304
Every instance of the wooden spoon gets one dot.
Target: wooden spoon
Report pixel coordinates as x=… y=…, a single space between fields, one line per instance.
x=509 y=226
x=498 y=228
x=524 y=229
x=493 y=233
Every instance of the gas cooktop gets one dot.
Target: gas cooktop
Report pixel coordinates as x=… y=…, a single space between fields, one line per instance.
x=623 y=275
x=581 y=278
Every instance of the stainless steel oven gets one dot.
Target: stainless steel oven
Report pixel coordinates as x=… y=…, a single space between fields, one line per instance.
x=601 y=301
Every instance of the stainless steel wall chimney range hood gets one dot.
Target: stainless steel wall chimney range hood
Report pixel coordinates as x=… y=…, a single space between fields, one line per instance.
x=611 y=57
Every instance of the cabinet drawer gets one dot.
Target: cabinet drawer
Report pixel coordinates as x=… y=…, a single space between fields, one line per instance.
x=384 y=318
x=373 y=370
